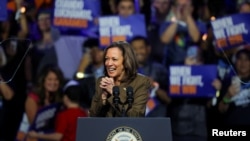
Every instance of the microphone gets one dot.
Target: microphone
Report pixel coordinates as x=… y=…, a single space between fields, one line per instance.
x=116 y=99
x=130 y=93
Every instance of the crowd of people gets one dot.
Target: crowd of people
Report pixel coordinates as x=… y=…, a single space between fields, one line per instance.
x=179 y=32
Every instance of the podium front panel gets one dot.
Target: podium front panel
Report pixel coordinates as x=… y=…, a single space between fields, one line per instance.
x=123 y=129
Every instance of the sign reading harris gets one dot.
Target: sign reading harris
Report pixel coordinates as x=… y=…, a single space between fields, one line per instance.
x=3 y=10
x=192 y=81
x=45 y=118
x=116 y=28
x=231 y=31
x=75 y=14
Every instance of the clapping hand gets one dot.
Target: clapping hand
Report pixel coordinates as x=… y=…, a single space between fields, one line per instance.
x=107 y=84
x=183 y=11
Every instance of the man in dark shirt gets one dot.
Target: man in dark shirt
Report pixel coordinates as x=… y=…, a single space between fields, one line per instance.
x=158 y=98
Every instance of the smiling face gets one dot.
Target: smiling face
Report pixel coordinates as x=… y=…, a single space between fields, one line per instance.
x=44 y=22
x=126 y=8
x=51 y=82
x=142 y=51
x=114 y=63
x=243 y=64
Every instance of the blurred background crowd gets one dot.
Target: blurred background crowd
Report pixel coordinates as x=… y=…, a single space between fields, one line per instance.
x=178 y=32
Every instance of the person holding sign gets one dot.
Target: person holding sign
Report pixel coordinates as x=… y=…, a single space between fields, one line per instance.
x=66 y=121
x=120 y=69
x=125 y=8
x=235 y=97
x=188 y=109
x=46 y=92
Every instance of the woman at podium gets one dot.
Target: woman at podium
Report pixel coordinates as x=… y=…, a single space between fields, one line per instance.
x=122 y=92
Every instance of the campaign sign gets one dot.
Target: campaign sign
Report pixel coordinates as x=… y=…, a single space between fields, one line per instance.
x=75 y=16
x=45 y=118
x=231 y=31
x=3 y=10
x=116 y=28
x=192 y=81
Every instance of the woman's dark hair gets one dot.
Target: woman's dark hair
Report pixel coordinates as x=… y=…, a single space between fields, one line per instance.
x=40 y=89
x=129 y=60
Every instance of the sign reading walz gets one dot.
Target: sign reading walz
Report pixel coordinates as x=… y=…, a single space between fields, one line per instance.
x=124 y=133
x=231 y=31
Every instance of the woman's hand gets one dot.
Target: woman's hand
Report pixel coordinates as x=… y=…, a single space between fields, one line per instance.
x=107 y=84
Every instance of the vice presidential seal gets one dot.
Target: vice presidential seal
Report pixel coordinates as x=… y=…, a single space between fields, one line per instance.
x=124 y=133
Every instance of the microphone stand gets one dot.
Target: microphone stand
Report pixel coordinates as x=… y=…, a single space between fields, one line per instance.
x=116 y=99
x=129 y=101
x=124 y=112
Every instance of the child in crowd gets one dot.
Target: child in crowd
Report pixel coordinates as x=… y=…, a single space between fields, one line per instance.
x=66 y=121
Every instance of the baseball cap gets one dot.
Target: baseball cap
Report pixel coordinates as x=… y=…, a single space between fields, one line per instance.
x=70 y=83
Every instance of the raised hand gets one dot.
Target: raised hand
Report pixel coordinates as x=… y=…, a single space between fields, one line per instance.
x=187 y=11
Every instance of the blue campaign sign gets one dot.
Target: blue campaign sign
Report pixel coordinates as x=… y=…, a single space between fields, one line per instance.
x=116 y=28
x=95 y=6
x=45 y=118
x=3 y=10
x=76 y=17
x=192 y=81
x=231 y=31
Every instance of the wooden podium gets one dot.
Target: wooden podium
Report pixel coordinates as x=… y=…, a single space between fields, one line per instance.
x=124 y=129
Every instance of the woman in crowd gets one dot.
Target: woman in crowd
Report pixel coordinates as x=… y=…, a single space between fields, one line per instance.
x=234 y=104
x=46 y=92
x=66 y=120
